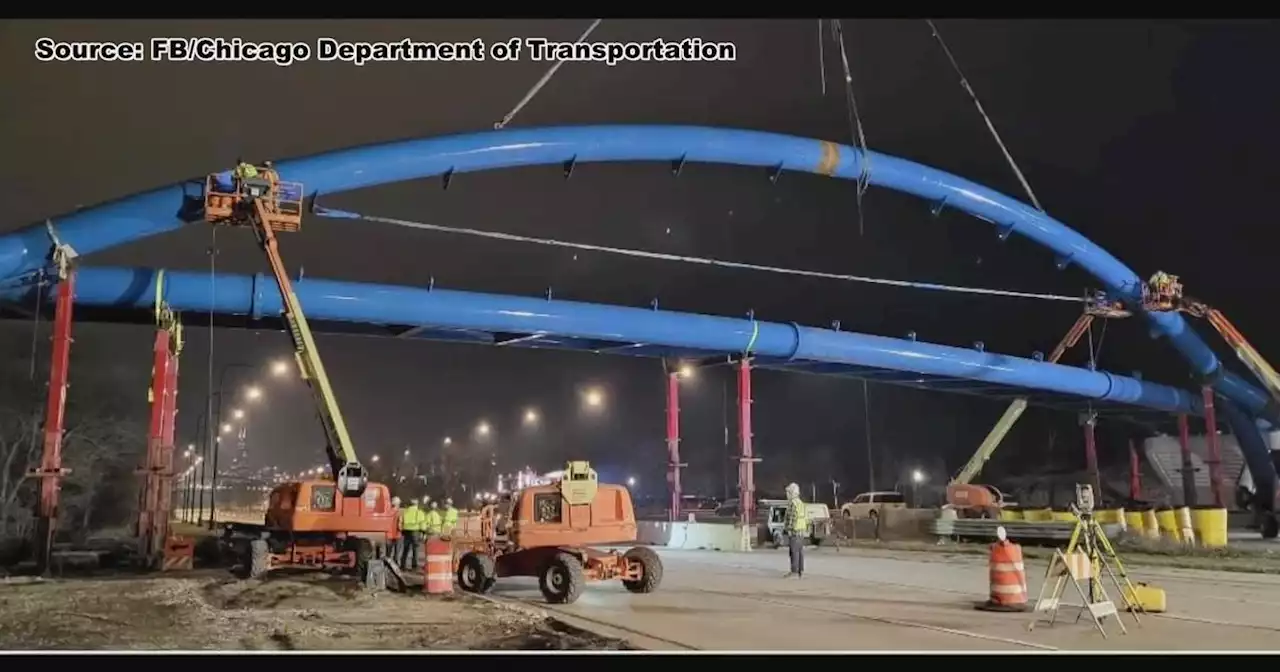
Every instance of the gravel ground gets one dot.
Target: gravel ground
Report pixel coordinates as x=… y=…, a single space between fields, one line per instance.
x=208 y=610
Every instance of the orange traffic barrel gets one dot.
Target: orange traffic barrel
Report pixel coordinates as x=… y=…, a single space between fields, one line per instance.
x=439 y=570
x=1008 y=578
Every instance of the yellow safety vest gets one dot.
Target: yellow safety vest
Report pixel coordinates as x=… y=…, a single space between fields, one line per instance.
x=798 y=515
x=411 y=520
x=450 y=520
x=246 y=171
x=432 y=522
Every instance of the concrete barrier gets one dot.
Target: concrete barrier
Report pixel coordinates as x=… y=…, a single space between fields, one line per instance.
x=695 y=536
x=906 y=524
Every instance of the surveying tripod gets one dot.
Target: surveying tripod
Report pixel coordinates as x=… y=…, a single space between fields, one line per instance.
x=1088 y=554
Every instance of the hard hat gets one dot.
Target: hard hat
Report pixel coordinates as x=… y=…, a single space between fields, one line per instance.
x=413 y=501
x=793 y=488
x=395 y=501
x=449 y=501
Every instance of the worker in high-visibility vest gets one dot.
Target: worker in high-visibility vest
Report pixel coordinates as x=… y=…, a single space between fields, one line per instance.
x=450 y=518
x=796 y=526
x=414 y=522
x=397 y=541
x=433 y=521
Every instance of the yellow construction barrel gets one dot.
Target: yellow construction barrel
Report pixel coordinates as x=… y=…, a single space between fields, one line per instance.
x=1135 y=521
x=1168 y=522
x=1037 y=515
x=1063 y=517
x=1011 y=513
x=1210 y=524
x=1110 y=517
x=1150 y=524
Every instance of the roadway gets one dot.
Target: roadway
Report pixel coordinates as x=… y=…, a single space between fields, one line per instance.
x=886 y=601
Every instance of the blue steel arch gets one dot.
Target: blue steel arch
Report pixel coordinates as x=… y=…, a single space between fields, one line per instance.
x=166 y=209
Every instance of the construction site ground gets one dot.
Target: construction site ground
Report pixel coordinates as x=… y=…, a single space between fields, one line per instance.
x=209 y=609
x=882 y=598
x=855 y=599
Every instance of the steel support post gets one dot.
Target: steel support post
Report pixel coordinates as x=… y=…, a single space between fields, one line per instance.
x=1135 y=473
x=673 y=444
x=746 y=459
x=50 y=471
x=1188 y=468
x=149 y=513
x=1091 y=456
x=1214 y=450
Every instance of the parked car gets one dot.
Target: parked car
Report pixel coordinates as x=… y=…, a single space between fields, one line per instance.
x=870 y=504
x=773 y=516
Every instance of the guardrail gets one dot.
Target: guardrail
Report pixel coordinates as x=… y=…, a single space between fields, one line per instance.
x=1016 y=530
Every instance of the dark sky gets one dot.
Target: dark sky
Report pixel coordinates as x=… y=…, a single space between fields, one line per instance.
x=1152 y=138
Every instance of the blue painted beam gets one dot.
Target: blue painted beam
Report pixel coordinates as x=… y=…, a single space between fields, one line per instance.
x=256 y=296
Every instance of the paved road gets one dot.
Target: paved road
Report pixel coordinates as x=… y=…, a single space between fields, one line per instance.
x=873 y=600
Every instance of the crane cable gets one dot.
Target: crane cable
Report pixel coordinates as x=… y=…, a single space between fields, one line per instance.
x=546 y=77
x=706 y=261
x=855 y=120
x=964 y=83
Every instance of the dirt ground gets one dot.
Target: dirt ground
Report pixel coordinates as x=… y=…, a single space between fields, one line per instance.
x=210 y=610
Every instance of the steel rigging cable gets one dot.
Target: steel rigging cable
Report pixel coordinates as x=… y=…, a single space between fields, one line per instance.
x=706 y=261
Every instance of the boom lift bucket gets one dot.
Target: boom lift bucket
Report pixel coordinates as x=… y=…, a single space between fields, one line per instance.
x=579 y=483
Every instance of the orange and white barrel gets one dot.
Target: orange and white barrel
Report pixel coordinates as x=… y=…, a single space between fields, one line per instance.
x=438 y=573
x=1008 y=578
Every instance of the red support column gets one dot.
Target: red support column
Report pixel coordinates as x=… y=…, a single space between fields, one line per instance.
x=1091 y=456
x=673 y=444
x=1188 y=469
x=167 y=460
x=1215 y=452
x=1135 y=473
x=50 y=471
x=746 y=460
x=150 y=515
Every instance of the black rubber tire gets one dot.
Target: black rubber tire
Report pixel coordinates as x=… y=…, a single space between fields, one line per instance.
x=817 y=541
x=476 y=573
x=779 y=539
x=562 y=580
x=650 y=570
x=875 y=517
x=257 y=561
x=1270 y=525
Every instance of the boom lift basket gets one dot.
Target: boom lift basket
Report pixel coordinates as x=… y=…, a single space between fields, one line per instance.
x=579 y=483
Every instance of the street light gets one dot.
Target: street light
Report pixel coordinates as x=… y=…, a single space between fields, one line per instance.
x=374 y=459
x=253 y=393
x=686 y=371
x=238 y=414
x=631 y=481
x=279 y=367
x=594 y=398
x=448 y=441
x=226 y=428
x=482 y=429
x=917 y=477
x=531 y=417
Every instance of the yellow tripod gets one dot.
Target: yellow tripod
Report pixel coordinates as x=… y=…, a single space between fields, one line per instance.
x=1088 y=554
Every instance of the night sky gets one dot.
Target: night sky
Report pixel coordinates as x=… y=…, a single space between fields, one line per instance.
x=1155 y=139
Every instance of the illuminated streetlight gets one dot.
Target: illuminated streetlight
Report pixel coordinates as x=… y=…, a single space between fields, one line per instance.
x=917 y=476
x=279 y=367
x=226 y=428
x=238 y=414
x=531 y=417
x=253 y=393
x=374 y=458
x=686 y=371
x=631 y=481
x=594 y=398
x=406 y=452
x=483 y=429
x=448 y=441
